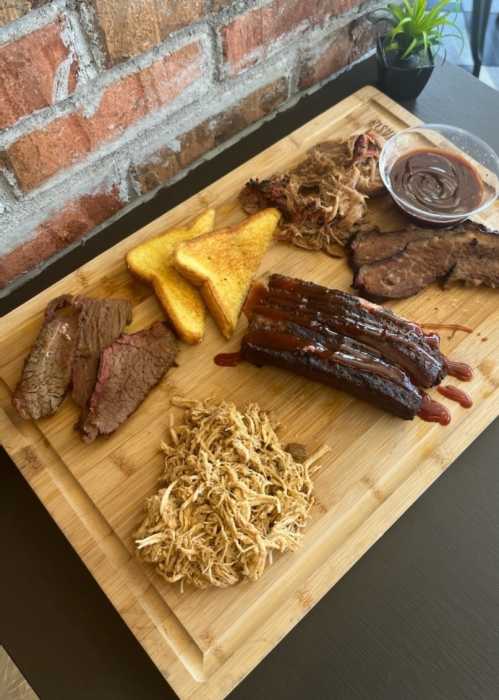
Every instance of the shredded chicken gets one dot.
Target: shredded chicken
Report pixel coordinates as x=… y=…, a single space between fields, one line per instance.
x=323 y=199
x=230 y=495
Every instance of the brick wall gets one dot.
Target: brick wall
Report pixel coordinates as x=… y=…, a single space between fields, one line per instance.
x=104 y=101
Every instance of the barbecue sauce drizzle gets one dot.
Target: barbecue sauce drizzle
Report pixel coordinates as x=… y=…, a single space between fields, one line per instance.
x=309 y=307
x=459 y=370
x=433 y=412
x=455 y=394
x=447 y=327
x=228 y=359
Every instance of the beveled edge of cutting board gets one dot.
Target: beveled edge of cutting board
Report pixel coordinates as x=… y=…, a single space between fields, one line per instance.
x=171 y=649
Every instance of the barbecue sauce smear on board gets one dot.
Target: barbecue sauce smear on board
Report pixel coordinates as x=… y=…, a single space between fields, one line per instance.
x=228 y=359
x=455 y=394
x=459 y=370
x=433 y=412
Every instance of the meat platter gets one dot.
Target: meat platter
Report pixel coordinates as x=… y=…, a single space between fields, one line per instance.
x=205 y=641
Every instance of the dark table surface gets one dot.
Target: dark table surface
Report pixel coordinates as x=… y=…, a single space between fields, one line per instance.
x=416 y=617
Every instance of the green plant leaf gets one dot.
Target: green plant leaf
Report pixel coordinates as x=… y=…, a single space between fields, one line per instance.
x=418 y=27
x=410 y=10
x=437 y=9
x=396 y=11
x=393 y=46
x=410 y=48
x=420 y=9
x=399 y=29
x=425 y=41
x=448 y=23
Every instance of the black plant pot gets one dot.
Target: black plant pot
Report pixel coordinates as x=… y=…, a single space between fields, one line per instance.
x=401 y=81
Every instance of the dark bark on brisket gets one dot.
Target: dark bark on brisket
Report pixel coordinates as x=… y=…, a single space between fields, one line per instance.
x=46 y=376
x=128 y=370
x=369 y=246
x=399 y=264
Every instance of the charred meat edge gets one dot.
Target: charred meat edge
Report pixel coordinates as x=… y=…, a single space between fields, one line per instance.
x=343 y=341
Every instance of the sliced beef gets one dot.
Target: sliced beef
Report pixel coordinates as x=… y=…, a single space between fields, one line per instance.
x=46 y=376
x=67 y=351
x=401 y=263
x=129 y=368
x=371 y=246
x=101 y=321
x=480 y=268
x=343 y=341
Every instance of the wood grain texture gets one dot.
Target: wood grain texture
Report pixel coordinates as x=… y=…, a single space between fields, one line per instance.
x=205 y=642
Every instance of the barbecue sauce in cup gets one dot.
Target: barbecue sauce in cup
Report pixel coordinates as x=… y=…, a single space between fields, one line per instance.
x=436 y=180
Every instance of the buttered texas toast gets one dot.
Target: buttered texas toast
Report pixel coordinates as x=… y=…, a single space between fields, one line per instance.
x=223 y=264
x=152 y=262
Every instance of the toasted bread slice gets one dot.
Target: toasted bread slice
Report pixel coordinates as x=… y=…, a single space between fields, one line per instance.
x=152 y=262
x=223 y=264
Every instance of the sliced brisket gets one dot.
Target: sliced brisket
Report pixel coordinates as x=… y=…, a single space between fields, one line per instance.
x=67 y=351
x=401 y=263
x=47 y=370
x=369 y=246
x=101 y=322
x=128 y=370
x=343 y=341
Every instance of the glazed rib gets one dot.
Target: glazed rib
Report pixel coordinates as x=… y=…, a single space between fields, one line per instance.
x=342 y=341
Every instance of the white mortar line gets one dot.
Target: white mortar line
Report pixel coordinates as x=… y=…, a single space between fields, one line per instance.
x=30 y=22
x=75 y=35
x=18 y=224
x=90 y=22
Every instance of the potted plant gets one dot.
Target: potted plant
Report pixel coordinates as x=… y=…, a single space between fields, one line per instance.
x=408 y=46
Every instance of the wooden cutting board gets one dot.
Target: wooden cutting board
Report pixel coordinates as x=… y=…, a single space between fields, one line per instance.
x=205 y=642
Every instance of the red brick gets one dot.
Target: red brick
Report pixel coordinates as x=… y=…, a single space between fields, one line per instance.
x=41 y=154
x=76 y=219
x=28 y=68
x=13 y=9
x=121 y=105
x=255 y=106
x=249 y=37
x=130 y=28
x=159 y=169
x=217 y=5
x=209 y=134
x=338 y=51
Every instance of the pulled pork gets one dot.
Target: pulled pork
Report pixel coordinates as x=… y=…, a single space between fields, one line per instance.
x=230 y=496
x=323 y=199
